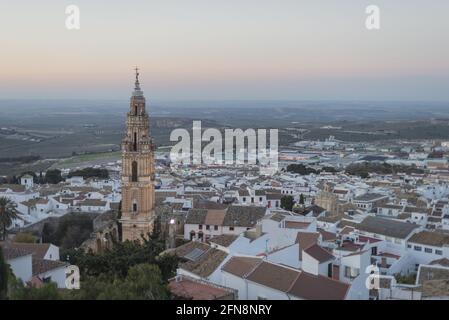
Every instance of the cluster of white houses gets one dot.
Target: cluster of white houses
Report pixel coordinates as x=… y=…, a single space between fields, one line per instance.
x=37 y=202
x=35 y=263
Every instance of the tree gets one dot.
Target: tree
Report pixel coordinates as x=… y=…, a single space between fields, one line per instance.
x=300 y=169
x=53 y=176
x=287 y=203
x=301 y=199
x=8 y=213
x=49 y=291
x=90 y=173
x=143 y=282
x=41 y=179
x=4 y=274
x=25 y=237
x=116 y=261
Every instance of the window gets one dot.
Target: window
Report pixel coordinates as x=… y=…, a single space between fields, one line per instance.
x=207 y=227
x=215 y=228
x=135 y=110
x=409 y=246
x=428 y=250
x=134 y=172
x=135 y=142
x=417 y=248
x=134 y=207
x=439 y=252
x=200 y=227
x=260 y=199
x=244 y=199
x=374 y=251
x=252 y=199
x=329 y=270
x=231 y=228
x=347 y=272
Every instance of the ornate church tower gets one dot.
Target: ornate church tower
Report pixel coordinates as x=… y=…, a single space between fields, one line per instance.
x=137 y=170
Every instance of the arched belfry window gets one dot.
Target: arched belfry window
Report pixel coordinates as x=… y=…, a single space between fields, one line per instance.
x=135 y=142
x=134 y=206
x=135 y=110
x=134 y=172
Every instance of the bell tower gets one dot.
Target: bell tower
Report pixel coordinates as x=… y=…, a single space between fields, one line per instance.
x=137 y=170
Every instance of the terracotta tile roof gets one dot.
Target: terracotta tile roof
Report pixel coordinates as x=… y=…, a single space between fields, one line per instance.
x=346 y=230
x=426 y=273
x=224 y=240
x=278 y=217
x=241 y=266
x=442 y=262
x=319 y=254
x=243 y=216
x=201 y=259
x=332 y=218
x=206 y=204
x=12 y=253
x=41 y=265
x=38 y=250
x=409 y=209
x=274 y=196
x=387 y=227
x=435 y=288
x=296 y=224
x=192 y=289
x=273 y=276
x=315 y=209
x=307 y=239
x=206 y=264
x=431 y=238
x=311 y=287
x=327 y=236
x=186 y=248
x=215 y=217
x=13 y=187
x=32 y=202
x=368 y=197
x=196 y=216
x=92 y=202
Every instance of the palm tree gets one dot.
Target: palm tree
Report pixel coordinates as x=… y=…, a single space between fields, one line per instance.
x=8 y=213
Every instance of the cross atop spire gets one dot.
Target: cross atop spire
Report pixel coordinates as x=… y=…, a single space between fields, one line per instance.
x=137 y=90
x=137 y=84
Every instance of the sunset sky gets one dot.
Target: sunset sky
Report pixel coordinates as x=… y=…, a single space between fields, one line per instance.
x=233 y=49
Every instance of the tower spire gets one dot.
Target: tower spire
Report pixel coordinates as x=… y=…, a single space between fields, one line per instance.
x=137 y=91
